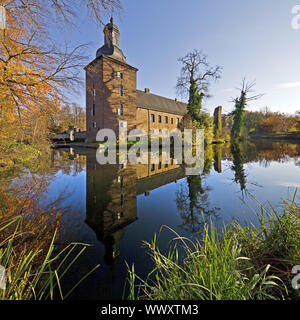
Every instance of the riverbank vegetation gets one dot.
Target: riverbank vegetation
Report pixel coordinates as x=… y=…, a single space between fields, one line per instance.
x=37 y=77
x=242 y=263
x=33 y=266
x=33 y=260
x=266 y=124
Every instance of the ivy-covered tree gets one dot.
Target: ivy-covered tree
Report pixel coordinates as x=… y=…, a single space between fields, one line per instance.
x=194 y=81
x=238 y=165
x=239 y=110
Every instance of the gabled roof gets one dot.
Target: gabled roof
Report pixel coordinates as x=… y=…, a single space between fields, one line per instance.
x=157 y=103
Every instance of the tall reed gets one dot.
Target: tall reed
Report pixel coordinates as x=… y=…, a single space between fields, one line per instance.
x=241 y=263
x=31 y=273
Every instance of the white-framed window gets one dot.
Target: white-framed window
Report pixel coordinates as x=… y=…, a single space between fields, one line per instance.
x=120 y=75
x=121 y=110
x=94 y=124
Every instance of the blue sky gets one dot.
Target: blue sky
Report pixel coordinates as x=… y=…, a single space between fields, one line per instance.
x=251 y=38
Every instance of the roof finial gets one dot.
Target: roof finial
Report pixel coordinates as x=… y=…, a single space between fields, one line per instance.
x=112 y=20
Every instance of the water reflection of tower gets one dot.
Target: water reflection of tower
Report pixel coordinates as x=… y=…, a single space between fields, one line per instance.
x=111 y=195
x=110 y=203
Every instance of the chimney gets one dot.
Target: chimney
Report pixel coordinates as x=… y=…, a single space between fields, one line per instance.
x=147 y=90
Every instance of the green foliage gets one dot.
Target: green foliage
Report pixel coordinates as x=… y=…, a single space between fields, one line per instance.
x=205 y=121
x=30 y=274
x=238 y=116
x=15 y=156
x=238 y=164
x=213 y=269
x=253 y=121
x=195 y=101
x=245 y=263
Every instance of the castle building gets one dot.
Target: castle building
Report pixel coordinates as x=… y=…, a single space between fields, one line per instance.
x=112 y=97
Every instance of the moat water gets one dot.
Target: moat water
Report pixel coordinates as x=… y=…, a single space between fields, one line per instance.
x=115 y=209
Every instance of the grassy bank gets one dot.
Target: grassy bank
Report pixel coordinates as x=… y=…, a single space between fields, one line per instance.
x=33 y=269
x=244 y=263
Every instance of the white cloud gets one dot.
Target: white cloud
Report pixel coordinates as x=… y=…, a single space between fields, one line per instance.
x=287 y=85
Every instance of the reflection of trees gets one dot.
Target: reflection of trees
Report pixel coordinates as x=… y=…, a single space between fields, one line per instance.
x=265 y=152
x=22 y=196
x=24 y=192
x=218 y=158
x=238 y=166
x=193 y=199
x=69 y=162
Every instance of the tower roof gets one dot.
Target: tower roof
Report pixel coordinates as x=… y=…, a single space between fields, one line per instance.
x=111 y=43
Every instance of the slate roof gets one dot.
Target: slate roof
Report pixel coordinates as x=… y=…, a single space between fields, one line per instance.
x=157 y=103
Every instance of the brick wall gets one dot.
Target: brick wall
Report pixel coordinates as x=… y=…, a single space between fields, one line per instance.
x=103 y=90
x=144 y=120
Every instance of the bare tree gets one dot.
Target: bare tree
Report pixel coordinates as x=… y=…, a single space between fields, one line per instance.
x=194 y=81
x=196 y=69
x=42 y=12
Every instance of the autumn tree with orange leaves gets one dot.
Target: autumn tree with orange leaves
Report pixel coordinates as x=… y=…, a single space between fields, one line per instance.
x=35 y=72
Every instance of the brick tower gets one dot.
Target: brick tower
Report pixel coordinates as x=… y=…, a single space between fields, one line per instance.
x=110 y=87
